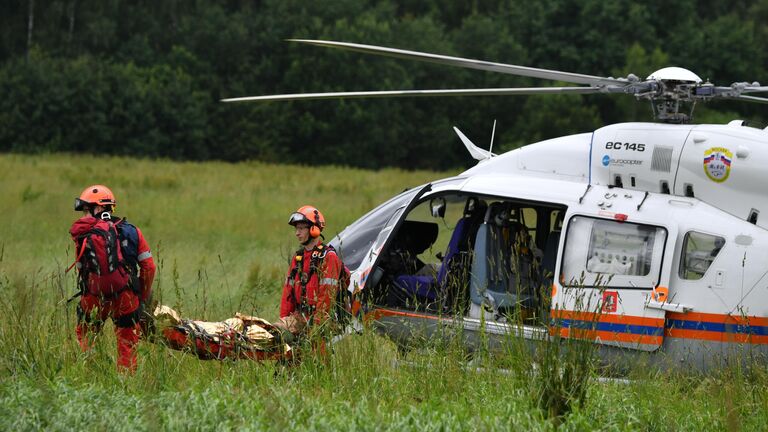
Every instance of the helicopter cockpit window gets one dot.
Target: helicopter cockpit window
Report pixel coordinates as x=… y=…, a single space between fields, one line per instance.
x=612 y=253
x=699 y=251
x=356 y=240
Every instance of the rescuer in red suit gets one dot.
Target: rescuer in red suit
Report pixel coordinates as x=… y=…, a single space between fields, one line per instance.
x=116 y=271
x=313 y=276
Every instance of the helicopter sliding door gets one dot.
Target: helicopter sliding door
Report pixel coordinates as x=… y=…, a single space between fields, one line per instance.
x=610 y=271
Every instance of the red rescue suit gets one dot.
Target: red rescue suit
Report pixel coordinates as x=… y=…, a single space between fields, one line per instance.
x=123 y=306
x=311 y=284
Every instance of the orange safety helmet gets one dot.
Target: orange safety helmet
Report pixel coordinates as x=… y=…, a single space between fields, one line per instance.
x=310 y=215
x=93 y=196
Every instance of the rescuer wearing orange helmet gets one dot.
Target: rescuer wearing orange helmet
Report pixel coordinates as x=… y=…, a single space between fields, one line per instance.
x=313 y=276
x=116 y=271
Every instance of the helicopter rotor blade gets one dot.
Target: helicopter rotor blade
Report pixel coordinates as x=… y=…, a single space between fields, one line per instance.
x=470 y=63
x=421 y=93
x=750 y=99
x=755 y=89
x=734 y=91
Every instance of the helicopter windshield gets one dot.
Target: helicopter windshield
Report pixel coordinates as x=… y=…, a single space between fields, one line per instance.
x=355 y=241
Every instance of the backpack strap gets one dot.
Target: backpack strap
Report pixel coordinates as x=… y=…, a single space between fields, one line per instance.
x=111 y=248
x=317 y=256
x=79 y=251
x=81 y=279
x=297 y=270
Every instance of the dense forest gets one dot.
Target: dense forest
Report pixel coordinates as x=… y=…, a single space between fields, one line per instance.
x=144 y=77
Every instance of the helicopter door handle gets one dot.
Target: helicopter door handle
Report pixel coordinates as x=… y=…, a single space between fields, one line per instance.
x=669 y=307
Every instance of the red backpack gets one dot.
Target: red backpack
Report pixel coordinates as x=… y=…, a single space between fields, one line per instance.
x=102 y=269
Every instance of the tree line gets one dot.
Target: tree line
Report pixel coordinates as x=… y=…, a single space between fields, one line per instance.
x=145 y=78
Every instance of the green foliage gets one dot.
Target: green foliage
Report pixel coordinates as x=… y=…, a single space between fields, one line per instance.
x=91 y=106
x=145 y=79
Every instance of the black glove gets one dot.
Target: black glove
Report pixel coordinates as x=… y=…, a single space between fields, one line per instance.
x=146 y=318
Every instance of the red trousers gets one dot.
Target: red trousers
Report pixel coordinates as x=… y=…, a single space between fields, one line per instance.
x=122 y=309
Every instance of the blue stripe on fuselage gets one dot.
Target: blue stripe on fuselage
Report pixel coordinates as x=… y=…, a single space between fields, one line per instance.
x=717 y=327
x=610 y=327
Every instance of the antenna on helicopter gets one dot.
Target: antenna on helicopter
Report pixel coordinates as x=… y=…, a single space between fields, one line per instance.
x=476 y=152
x=493 y=133
x=666 y=88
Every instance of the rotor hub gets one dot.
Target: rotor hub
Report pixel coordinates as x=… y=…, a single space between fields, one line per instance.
x=677 y=74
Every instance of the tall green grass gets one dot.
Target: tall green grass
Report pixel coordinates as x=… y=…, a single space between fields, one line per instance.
x=215 y=225
x=220 y=238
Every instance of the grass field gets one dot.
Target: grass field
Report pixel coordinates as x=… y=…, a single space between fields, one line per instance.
x=219 y=234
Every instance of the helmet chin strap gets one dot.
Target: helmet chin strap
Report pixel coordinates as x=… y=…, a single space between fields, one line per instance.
x=104 y=215
x=311 y=239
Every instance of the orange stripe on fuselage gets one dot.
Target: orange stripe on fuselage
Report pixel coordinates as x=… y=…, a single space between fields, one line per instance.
x=378 y=313
x=716 y=336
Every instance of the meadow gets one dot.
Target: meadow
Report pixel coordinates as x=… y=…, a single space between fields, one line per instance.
x=219 y=235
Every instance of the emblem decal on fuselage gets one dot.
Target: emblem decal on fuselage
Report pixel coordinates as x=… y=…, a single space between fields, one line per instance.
x=717 y=163
x=610 y=301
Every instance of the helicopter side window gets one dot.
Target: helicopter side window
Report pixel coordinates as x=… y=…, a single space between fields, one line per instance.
x=619 y=254
x=699 y=251
x=529 y=220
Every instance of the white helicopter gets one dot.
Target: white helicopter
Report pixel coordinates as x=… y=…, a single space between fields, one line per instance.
x=648 y=235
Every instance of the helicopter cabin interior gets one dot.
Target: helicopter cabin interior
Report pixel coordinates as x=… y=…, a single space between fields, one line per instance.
x=467 y=255
x=458 y=254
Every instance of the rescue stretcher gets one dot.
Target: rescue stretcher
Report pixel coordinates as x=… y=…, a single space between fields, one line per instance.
x=239 y=337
